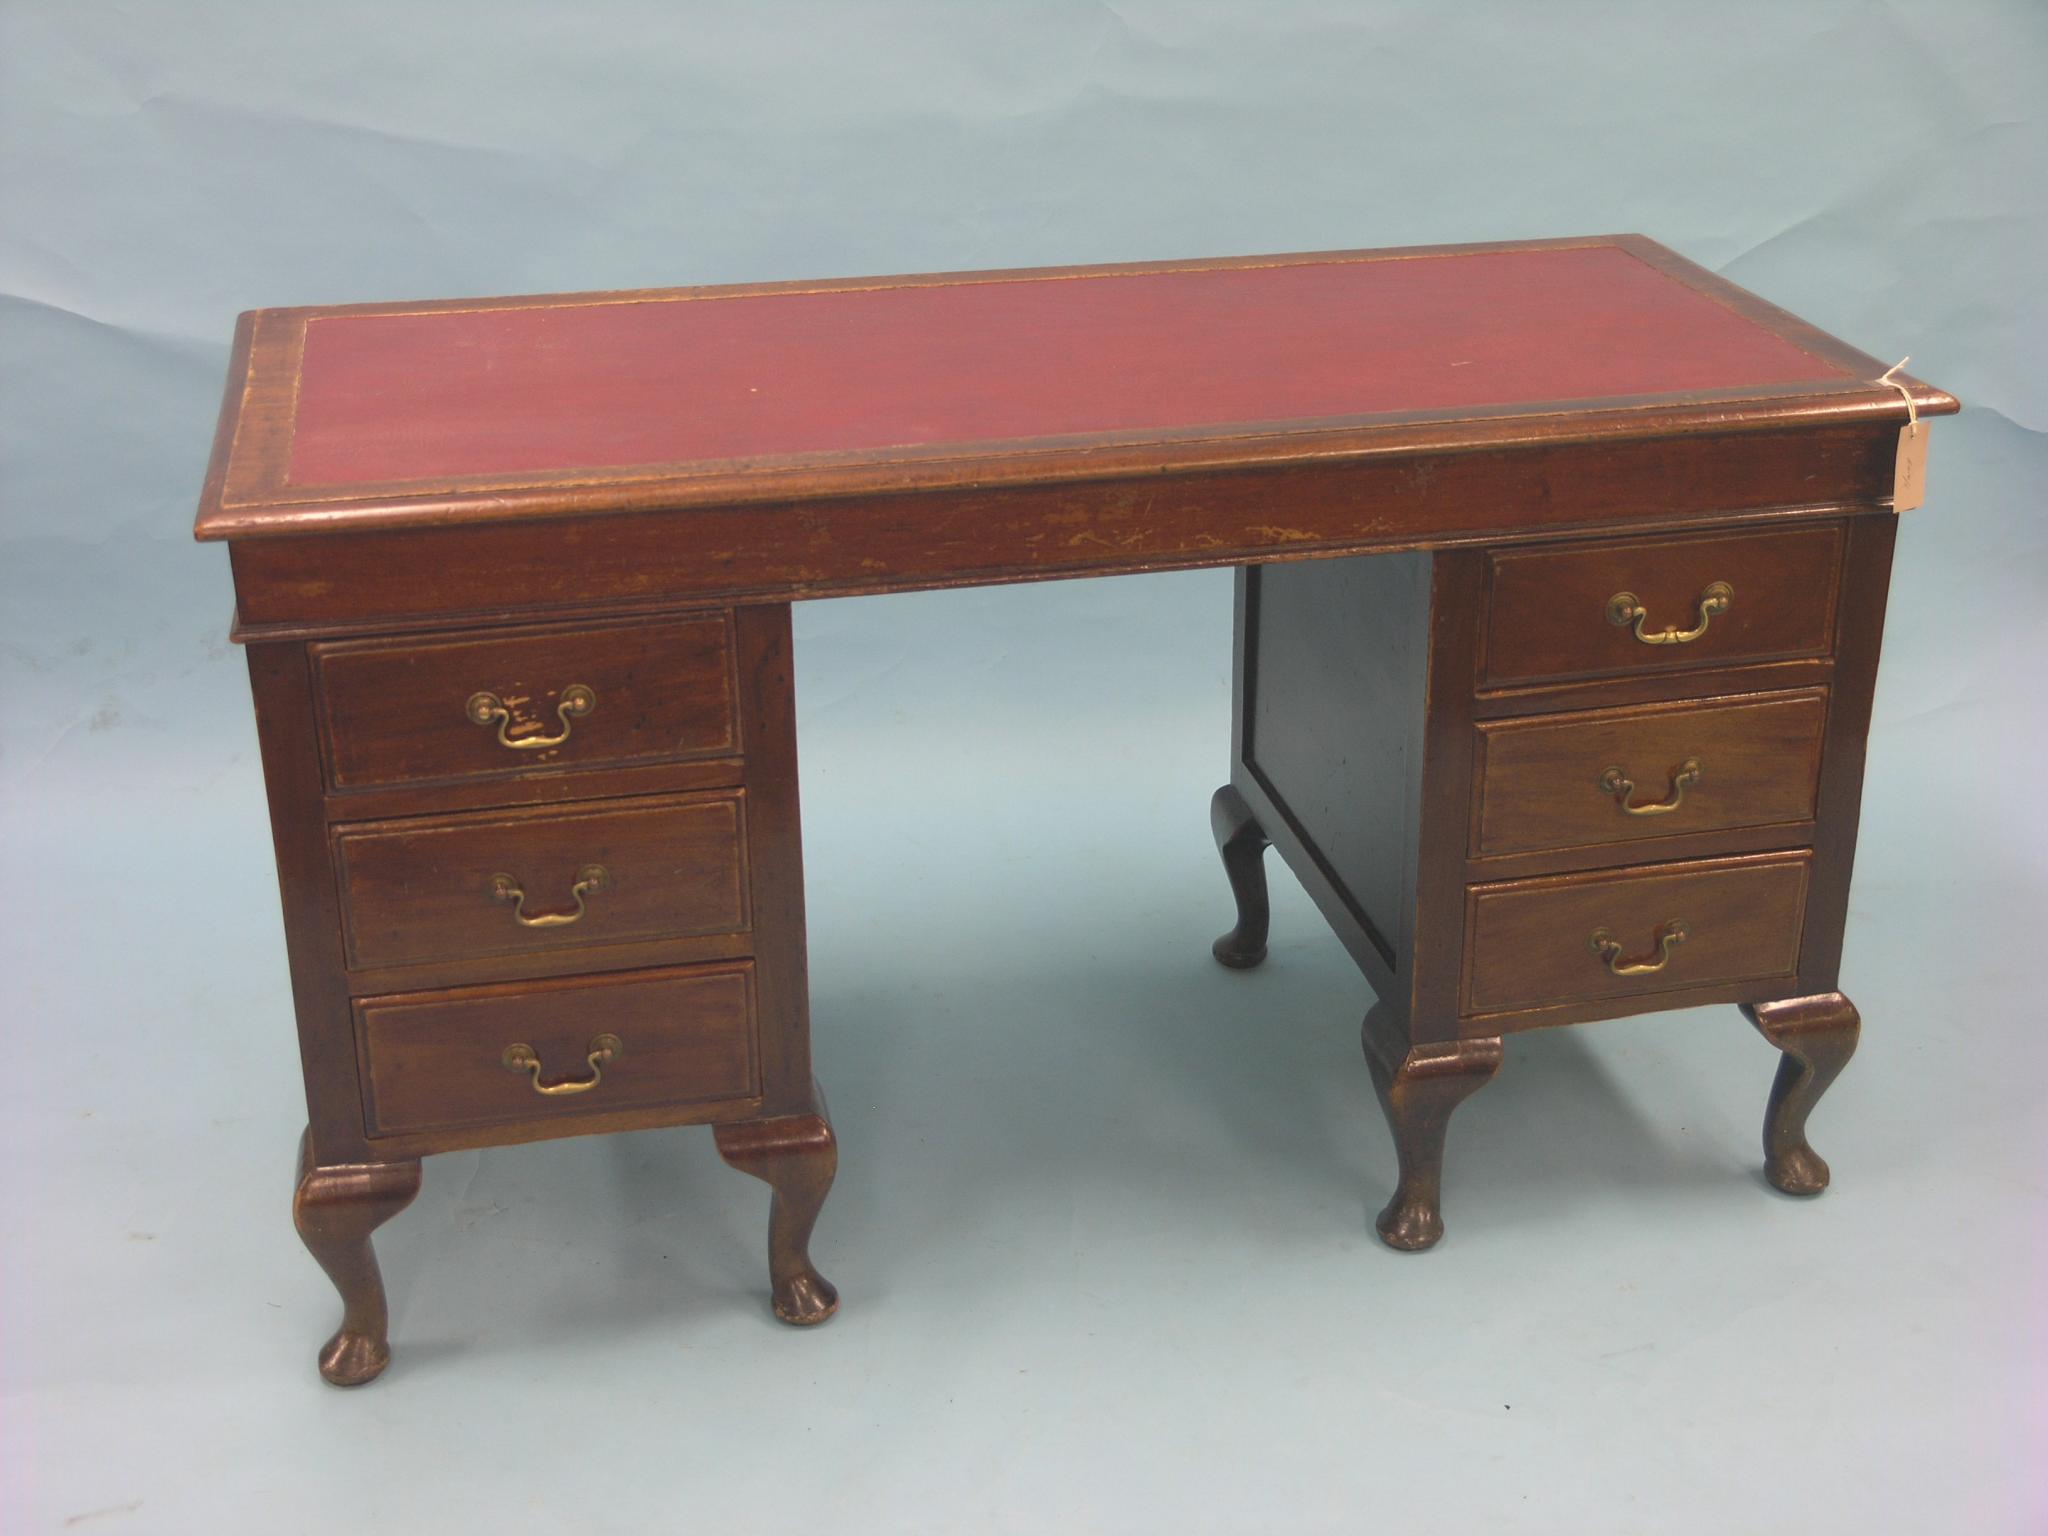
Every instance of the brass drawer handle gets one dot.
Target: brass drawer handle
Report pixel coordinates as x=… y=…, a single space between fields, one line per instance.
x=1608 y=949
x=590 y=879
x=483 y=708
x=604 y=1050
x=1618 y=784
x=1625 y=608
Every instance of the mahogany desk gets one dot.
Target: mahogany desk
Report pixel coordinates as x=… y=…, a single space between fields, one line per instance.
x=1583 y=737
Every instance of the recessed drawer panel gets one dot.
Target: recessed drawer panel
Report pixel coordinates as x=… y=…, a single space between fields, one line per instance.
x=422 y=708
x=559 y=877
x=557 y=1049
x=1589 y=937
x=1615 y=775
x=1594 y=609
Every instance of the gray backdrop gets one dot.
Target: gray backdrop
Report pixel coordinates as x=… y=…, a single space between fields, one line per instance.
x=1102 y=1224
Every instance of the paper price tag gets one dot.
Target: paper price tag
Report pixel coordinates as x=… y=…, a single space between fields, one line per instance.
x=1909 y=470
x=1909 y=465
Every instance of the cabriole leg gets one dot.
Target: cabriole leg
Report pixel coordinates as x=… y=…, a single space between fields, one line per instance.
x=336 y=1208
x=795 y=1156
x=1243 y=843
x=1818 y=1036
x=1419 y=1086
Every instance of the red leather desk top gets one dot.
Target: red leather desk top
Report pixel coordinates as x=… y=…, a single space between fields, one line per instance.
x=664 y=380
x=470 y=410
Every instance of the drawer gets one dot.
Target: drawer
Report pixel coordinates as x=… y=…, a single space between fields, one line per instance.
x=428 y=708
x=1562 y=939
x=1614 y=775
x=551 y=878
x=1576 y=612
x=436 y=1060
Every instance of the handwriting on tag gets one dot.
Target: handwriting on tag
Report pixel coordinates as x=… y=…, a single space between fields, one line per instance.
x=1909 y=469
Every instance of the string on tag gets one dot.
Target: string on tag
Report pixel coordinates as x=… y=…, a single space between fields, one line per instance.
x=1912 y=408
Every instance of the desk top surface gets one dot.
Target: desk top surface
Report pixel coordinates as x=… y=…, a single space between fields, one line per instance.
x=486 y=410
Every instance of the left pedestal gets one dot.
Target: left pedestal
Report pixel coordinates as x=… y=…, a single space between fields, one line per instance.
x=540 y=881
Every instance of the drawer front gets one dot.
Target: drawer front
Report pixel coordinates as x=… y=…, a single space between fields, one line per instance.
x=1614 y=775
x=1529 y=943
x=553 y=878
x=437 y=1060
x=1555 y=614
x=423 y=709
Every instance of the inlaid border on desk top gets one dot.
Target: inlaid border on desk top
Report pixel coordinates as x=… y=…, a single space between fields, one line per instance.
x=247 y=493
